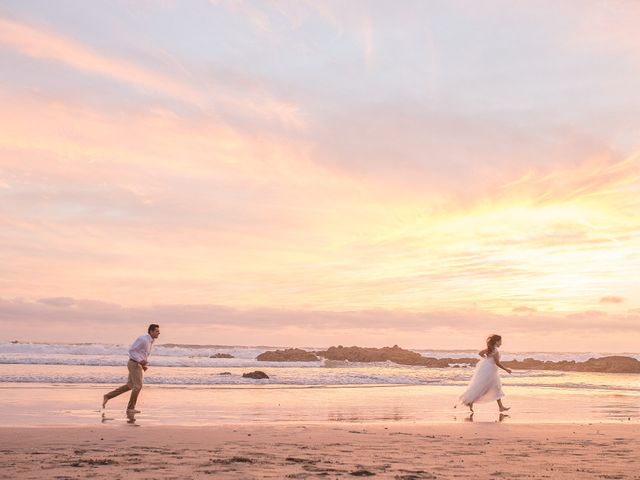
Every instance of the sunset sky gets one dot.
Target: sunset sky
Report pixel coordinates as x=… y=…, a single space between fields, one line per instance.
x=310 y=173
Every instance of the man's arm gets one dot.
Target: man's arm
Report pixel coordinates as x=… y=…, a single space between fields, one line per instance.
x=138 y=351
x=147 y=346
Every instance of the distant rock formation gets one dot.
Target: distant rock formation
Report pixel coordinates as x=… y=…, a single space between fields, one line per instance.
x=288 y=355
x=612 y=364
x=360 y=354
x=221 y=355
x=389 y=354
x=257 y=375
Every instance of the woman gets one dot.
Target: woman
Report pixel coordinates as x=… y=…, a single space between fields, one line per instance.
x=485 y=384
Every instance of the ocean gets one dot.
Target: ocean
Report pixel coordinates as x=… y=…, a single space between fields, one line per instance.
x=96 y=363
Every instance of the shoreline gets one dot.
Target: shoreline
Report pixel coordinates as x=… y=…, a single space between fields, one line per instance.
x=79 y=405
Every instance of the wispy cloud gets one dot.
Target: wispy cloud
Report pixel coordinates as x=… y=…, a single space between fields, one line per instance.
x=348 y=21
x=43 y=44
x=523 y=309
x=611 y=299
x=183 y=323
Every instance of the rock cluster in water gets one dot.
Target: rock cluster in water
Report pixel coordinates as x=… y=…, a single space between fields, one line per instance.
x=221 y=355
x=288 y=355
x=612 y=364
x=393 y=354
x=257 y=375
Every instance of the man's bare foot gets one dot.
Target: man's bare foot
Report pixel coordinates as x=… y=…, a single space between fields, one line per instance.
x=105 y=399
x=132 y=410
x=504 y=409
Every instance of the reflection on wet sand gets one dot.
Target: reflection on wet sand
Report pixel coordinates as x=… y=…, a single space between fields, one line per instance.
x=131 y=418
x=209 y=406
x=470 y=418
x=366 y=415
x=104 y=418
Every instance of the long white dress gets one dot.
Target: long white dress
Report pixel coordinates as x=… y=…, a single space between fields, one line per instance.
x=485 y=385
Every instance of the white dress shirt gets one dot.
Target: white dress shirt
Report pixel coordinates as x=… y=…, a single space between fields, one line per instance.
x=141 y=348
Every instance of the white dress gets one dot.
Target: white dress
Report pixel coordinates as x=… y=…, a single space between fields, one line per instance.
x=485 y=385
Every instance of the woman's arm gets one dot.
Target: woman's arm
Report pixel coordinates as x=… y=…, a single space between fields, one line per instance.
x=497 y=360
x=483 y=353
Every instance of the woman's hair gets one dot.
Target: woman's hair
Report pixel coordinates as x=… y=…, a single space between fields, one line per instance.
x=491 y=342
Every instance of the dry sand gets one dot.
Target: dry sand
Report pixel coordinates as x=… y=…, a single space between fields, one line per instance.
x=401 y=451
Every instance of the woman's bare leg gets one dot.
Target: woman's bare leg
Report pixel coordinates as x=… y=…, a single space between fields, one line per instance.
x=502 y=407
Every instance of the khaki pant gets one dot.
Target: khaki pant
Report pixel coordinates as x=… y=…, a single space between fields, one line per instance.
x=134 y=383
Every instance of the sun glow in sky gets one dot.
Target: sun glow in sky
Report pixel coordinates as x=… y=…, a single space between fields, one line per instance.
x=314 y=173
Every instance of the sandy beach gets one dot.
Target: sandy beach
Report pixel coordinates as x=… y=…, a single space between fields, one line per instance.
x=469 y=450
x=59 y=432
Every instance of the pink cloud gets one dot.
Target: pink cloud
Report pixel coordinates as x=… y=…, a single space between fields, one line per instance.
x=71 y=319
x=611 y=299
x=42 y=44
x=523 y=309
x=39 y=43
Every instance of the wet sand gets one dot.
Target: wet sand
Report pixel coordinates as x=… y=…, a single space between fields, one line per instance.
x=399 y=451
x=79 y=405
x=59 y=432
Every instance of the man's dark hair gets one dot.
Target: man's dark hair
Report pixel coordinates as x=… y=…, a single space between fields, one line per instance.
x=152 y=327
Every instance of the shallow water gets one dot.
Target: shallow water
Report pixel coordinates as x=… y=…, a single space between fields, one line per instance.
x=316 y=374
x=62 y=384
x=38 y=404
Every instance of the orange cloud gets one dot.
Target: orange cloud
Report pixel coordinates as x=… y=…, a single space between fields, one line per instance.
x=293 y=233
x=523 y=309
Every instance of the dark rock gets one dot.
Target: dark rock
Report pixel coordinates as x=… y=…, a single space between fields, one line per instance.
x=300 y=460
x=361 y=354
x=362 y=473
x=414 y=475
x=234 y=459
x=225 y=373
x=221 y=355
x=257 y=375
x=288 y=355
x=389 y=354
x=613 y=364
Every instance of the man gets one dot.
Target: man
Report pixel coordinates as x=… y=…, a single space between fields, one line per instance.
x=138 y=355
